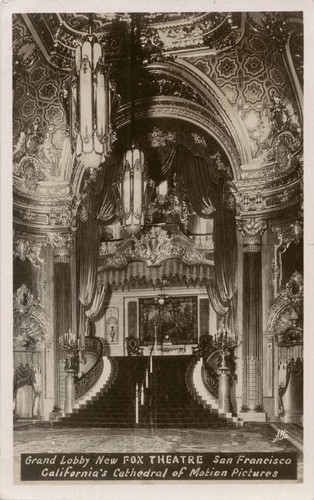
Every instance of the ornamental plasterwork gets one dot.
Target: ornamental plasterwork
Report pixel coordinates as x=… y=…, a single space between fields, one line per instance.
x=160 y=36
x=29 y=172
x=59 y=240
x=285 y=316
x=266 y=195
x=172 y=107
x=153 y=248
x=31 y=323
x=288 y=233
x=252 y=230
x=40 y=213
x=25 y=249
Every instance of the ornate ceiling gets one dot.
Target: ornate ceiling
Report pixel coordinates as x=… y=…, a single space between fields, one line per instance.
x=236 y=77
x=58 y=34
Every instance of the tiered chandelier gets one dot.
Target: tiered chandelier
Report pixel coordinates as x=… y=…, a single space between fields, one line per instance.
x=131 y=189
x=92 y=98
x=92 y=95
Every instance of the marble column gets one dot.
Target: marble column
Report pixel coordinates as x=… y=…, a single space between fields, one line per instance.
x=252 y=348
x=62 y=311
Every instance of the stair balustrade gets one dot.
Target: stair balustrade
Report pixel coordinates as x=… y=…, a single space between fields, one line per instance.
x=88 y=379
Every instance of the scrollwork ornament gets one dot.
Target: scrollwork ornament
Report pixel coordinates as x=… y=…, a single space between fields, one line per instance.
x=29 y=170
x=26 y=250
x=289 y=233
x=285 y=316
x=31 y=323
x=62 y=244
x=252 y=230
x=153 y=248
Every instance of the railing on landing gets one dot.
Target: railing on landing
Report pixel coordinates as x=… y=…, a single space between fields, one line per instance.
x=88 y=379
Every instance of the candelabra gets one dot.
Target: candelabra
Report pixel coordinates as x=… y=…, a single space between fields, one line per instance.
x=225 y=341
x=73 y=348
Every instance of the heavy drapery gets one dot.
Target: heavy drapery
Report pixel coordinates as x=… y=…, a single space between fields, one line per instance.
x=205 y=186
x=108 y=202
x=87 y=256
x=88 y=232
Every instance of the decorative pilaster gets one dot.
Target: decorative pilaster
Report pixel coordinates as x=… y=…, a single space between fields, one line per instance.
x=252 y=230
x=61 y=244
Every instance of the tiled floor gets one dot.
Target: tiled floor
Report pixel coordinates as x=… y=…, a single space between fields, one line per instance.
x=250 y=437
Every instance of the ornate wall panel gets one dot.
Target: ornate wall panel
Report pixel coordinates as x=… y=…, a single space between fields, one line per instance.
x=39 y=122
x=251 y=75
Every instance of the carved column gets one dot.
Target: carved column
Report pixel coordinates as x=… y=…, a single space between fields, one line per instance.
x=252 y=397
x=62 y=306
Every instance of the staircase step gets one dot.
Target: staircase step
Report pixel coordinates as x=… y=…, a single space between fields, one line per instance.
x=167 y=403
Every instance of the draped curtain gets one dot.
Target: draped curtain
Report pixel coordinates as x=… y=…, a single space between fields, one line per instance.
x=205 y=187
x=94 y=310
x=88 y=231
x=87 y=257
x=108 y=202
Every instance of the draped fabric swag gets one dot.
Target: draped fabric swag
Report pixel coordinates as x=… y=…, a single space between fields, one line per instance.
x=100 y=293
x=205 y=187
x=88 y=232
x=90 y=295
x=215 y=299
x=87 y=257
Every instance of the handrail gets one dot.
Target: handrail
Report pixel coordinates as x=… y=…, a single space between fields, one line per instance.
x=88 y=379
x=210 y=379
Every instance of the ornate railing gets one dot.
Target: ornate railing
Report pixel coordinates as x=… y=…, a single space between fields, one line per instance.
x=88 y=379
x=211 y=379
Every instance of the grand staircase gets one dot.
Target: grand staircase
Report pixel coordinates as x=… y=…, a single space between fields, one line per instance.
x=166 y=402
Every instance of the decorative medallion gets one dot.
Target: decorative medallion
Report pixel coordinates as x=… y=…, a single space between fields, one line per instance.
x=30 y=172
x=227 y=67
x=253 y=65
x=253 y=91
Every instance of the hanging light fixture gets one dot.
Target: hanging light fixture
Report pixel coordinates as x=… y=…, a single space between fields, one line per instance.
x=91 y=101
x=133 y=186
x=133 y=191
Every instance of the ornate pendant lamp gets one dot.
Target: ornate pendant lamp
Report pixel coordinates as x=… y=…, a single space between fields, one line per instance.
x=131 y=191
x=92 y=96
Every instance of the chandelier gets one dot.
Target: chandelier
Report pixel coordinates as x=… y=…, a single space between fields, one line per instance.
x=92 y=97
x=133 y=190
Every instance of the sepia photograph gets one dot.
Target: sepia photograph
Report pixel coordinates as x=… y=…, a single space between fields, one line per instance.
x=158 y=248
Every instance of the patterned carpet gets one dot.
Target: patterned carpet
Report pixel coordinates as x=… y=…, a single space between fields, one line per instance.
x=251 y=437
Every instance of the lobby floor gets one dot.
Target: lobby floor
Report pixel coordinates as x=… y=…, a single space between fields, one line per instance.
x=251 y=437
